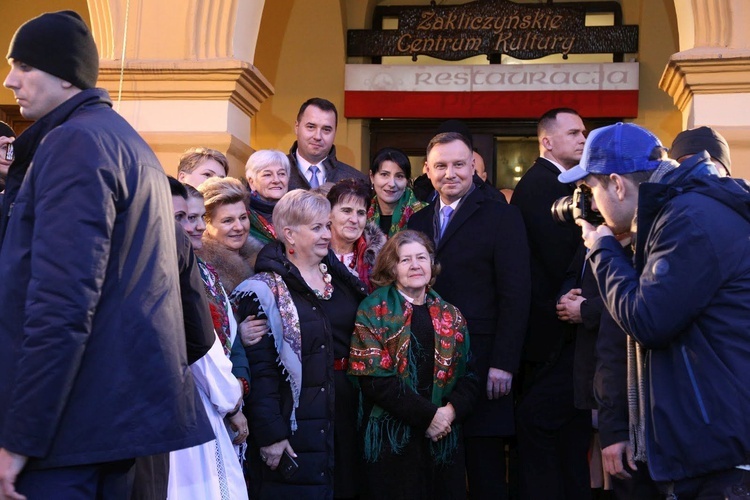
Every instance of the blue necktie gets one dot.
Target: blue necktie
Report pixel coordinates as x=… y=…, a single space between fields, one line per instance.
x=446 y=213
x=314 y=182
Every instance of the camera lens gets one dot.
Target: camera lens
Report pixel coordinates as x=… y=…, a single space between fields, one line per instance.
x=562 y=210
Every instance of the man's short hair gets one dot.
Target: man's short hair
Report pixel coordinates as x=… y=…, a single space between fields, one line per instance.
x=445 y=138
x=548 y=118
x=622 y=148
x=193 y=157
x=321 y=103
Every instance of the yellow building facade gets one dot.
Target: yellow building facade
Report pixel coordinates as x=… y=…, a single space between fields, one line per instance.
x=231 y=74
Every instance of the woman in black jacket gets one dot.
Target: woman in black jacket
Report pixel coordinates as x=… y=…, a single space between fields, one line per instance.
x=301 y=403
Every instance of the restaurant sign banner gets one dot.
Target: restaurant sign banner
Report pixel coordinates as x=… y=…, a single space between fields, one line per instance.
x=599 y=90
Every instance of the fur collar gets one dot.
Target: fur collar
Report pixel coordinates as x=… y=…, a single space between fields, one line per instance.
x=374 y=241
x=232 y=267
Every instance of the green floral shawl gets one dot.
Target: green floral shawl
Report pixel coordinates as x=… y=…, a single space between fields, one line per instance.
x=407 y=205
x=380 y=347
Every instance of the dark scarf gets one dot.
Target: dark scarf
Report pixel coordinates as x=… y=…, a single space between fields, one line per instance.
x=407 y=205
x=261 y=222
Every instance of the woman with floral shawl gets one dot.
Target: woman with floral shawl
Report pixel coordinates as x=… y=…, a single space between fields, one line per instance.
x=394 y=201
x=410 y=355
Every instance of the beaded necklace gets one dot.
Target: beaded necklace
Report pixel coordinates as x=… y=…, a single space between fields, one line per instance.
x=328 y=290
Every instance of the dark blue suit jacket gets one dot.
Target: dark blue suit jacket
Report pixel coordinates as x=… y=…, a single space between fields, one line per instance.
x=485 y=273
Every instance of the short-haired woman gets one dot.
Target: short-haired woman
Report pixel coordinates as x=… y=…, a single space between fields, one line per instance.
x=301 y=402
x=267 y=174
x=410 y=353
x=394 y=201
x=355 y=241
x=226 y=245
x=199 y=164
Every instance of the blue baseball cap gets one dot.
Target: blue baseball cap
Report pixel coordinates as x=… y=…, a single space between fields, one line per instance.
x=622 y=148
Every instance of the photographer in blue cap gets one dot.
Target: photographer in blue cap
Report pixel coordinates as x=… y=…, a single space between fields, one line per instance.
x=684 y=303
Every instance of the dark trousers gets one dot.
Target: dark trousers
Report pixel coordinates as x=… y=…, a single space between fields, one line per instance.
x=485 y=468
x=105 y=481
x=150 y=477
x=732 y=484
x=639 y=487
x=553 y=435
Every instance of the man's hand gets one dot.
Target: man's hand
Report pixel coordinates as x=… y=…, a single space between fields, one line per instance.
x=498 y=383
x=569 y=306
x=11 y=465
x=591 y=234
x=252 y=330
x=612 y=459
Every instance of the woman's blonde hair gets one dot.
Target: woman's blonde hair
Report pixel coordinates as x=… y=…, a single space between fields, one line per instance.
x=193 y=157
x=384 y=272
x=298 y=207
x=218 y=191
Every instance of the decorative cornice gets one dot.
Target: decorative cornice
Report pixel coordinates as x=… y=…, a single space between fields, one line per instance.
x=230 y=80
x=705 y=71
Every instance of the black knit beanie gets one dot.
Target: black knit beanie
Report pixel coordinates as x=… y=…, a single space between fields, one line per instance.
x=695 y=140
x=58 y=43
x=6 y=131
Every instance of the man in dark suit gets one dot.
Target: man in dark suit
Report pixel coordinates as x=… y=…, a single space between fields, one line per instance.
x=553 y=436
x=481 y=246
x=313 y=155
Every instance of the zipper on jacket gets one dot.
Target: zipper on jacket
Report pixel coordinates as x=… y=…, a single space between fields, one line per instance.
x=695 y=385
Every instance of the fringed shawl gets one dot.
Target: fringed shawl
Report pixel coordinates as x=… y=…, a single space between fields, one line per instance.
x=275 y=300
x=407 y=205
x=381 y=347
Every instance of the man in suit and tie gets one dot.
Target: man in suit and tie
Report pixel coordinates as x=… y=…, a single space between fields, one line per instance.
x=313 y=155
x=481 y=246
x=553 y=435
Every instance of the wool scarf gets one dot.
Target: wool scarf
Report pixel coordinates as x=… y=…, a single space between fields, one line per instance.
x=407 y=205
x=381 y=347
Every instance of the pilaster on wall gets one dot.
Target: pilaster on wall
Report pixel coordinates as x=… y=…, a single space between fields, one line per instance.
x=709 y=79
x=188 y=78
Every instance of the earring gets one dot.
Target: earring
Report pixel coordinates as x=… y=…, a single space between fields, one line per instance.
x=291 y=251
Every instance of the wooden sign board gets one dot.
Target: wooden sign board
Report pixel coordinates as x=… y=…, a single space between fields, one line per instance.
x=492 y=27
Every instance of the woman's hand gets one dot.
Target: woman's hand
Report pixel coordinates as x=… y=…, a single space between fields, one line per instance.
x=238 y=423
x=271 y=454
x=441 y=423
x=252 y=330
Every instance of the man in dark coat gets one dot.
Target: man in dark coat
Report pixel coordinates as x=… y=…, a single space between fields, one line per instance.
x=553 y=436
x=684 y=303
x=93 y=369
x=485 y=273
x=313 y=155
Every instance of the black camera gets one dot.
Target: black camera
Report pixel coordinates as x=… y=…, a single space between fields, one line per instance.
x=578 y=206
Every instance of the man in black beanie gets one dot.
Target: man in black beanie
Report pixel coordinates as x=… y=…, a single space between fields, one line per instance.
x=93 y=369
x=693 y=141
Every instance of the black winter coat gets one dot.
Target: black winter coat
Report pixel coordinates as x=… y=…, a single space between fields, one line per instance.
x=270 y=402
x=93 y=362
x=552 y=248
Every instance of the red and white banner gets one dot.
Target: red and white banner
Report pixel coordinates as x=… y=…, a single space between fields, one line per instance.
x=605 y=90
